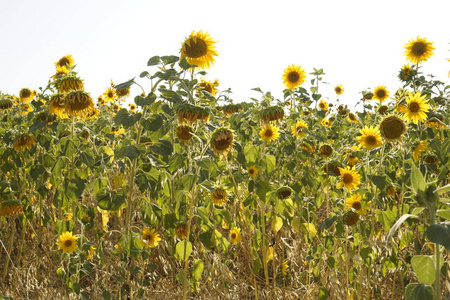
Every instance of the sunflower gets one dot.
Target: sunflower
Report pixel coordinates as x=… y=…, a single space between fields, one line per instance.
x=91 y=252
x=284 y=267
x=24 y=142
x=25 y=108
x=370 y=137
x=392 y=128
x=252 y=171
x=323 y=105
x=420 y=147
x=419 y=50
x=380 y=93
x=406 y=73
x=79 y=104
x=352 y=118
x=64 y=61
x=123 y=93
x=436 y=122
x=293 y=76
x=350 y=218
x=109 y=95
x=219 y=196
x=11 y=208
x=132 y=107
x=69 y=83
x=199 y=50
x=25 y=95
x=150 y=238
x=272 y=113
x=60 y=71
x=325 y=150
x=269 y=133
x=284 y=192
x=325 y=123
x=354 y=202
x=6 y=103
x=67 y=242
x=416 y=108
x=235 y=235
x=350 y=178
x=184 y=133
x=208 y=86
x=57 y=106
x=297 y=129
x=222 y=140
x=339 y=89
x=181 y=231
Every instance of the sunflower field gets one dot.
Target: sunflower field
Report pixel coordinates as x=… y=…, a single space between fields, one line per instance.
x=184 y=193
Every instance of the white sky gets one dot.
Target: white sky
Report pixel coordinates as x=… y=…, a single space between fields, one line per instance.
x=359 y=44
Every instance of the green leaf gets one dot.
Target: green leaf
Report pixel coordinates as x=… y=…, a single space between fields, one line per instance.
x=125 y=85
x=419 y=291
x=162 y=147
x=141 y=101
x=417 y=180
x=251 y=154
x=262 y=187
x=153 y=123
x=170 y=95
x=169 y=59
x=183 y=250
x=125 y=118
x=154 y=61
x=443 y=189
x=443 y=213
x=398 y=224
x=323 y=294
x=269 y=163
x=68 y=147
x=180 y=277
x=185 y=65
x=440 y=234
x=423 y=267
x=198 y=269
x=111 y=202
x=379 y=181
x=131 y=152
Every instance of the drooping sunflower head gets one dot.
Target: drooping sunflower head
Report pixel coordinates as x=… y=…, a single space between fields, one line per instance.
x=419 y=148
x=419 y=50
x=339 y=89
x=417 y=107
x=69 y=83
x=208 y=86
x=123 y=93
x=297 y=129
x=57 y=106
x=435 y=121
x=184 y=133
x=10 y=208
x=230 y=109
x=367 y=96
x=380 y=93
x=199 y=49
x=272 y=113
x=79 y=104
x=222 y=140
x=65 y=61
x=370 y=137
x=219 y=197
x=235 y=235
x=350 y=179
x=269 y=133
x=181 y=231
x=406 y=73
x=325 y=150
x=67 y=242
x=350 y=218
x=352 y=118
x=188 y=113
x=26 y=95
x=382 y=109
x=24 y=142
x=284 y=192
x=392 y=128
x=332 y=169
x=6 y=103
x=323 y=105
x=150 y=238
x=109 y=95
x=252 y=171
x=354 y=202
x=293 y=76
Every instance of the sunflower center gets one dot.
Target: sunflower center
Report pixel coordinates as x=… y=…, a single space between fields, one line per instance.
x=371 y=140
x=414 y=107
x=419 y=49
x=25 y=93
x=222 y=144
x=268 y=133
x=381 y=93
x=392 y=128
x=68 y=243
x=195 y=49
x=110 y=94
x=357 y=205
x=233 y=236
x=293 y=76
x=347 y=178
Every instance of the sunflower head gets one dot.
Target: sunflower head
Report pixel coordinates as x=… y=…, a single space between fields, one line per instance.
x=110 y=95
x=332 y=169
x=323 y=105
x=416 y=108
x=60 y=72
x=199 y=49
x=222 y=140
x=350 y=218
x=436 y=121
x=269 y=133
x=11 y=208
x=65 y=61
x=272 y=113
x=352 y=118
x=325 y=150
x=293 y=76
x=219 y=197
x=69 y=83
x=181 y=231
x=382 y=109
x=252 y=171
x=431 y=159
x=339 y=89
x=188 y=113
x=284 y=192
x=380 y=93
x=123 y=93
x=208 y=86
x=407 y=73
x=370 y=137
x=150 y=238
x=79 y=104
x=24 y=142
x=367 y=96
x=350 y=178
x=235 y=235
x=184 y=133
x=392 y=128
x=67 y=242
x=297 y=129
x=57 y=106
x=354 y=202
x=230 y=109
x=419 y=50
x=6 y=103
x=418 y=148
x=26 y=95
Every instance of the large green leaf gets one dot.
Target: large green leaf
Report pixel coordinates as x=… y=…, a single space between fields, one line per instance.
x=131 y=152
x=198 y=269
x=183 y=250
x=443 y=213
x=152 y=123
x=269 y=163
x=440 y=234
x=418 y=182
x=423 y=267
x=419 y=291
x=125 y=85
x=162 y=147
x=397 y=224
x=251 y=153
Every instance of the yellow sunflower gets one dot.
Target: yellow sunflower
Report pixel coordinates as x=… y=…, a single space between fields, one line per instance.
x=416 y=108
x=109 y=95
x=293 y=76
x=418 y=50
x=25 y=108
x=339 y=89
x=352 y=118
x=60 y=71
x=181 y=231
x=208 y=86
x=380 y=93
x=350 y=178
x=235 y=235
x=252 y=171
x=24 y=142
x=370 y=137
x=284 y=267
x=323 y=105
x=420 y=147
x=123 y=93
x=150 y=238
x=65 y=60
x=26 y=95
x=269 y=133
x=57 y=106
x=184 y=133
x=392 y=128
x=79 y=104
x=406 y=73
x=10 y=208
x=67 y=242
x=325 y=123
x=133 y=107
x=354 y=202
x=91 y=252
x=70 y=83
x=199 y=49
x=219 y=197
x=222 y=140
x=297 y=129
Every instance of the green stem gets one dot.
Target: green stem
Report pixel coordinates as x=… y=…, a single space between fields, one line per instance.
x=437 y=256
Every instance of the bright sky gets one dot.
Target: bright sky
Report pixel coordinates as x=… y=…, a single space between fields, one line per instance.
x=359 y=44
